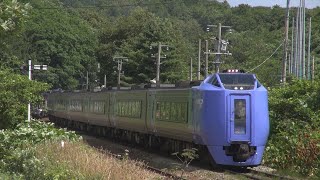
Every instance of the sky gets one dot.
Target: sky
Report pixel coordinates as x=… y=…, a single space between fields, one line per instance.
x=270 y=3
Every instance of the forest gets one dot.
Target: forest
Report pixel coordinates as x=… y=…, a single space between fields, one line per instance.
x=79 y=37
x=73 y=36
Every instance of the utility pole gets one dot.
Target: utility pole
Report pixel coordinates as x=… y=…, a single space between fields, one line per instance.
x=292 y=48
x=105 y=81
x=199 y=60
x=206 y=61
x=217 y=63
x=119 y=67
x=313 y=68
x=158 y=65
x=159 y=61
x=285 y=50
x=29 y=105
x=301 y=37
x=87 y=83
x=221 y=43
x=36 y=67
x=289 y=63
x=309 y=49
x=296 y=49
x=190 y=69
x=304 y=39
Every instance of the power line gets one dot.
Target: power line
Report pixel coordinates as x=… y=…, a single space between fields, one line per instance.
x=119 y=6
x=268 y=57
x=105 y=6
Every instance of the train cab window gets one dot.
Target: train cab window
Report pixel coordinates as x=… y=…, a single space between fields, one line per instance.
x=214 y=81
x=240 y=116
x=237 y=81
x=258 y=84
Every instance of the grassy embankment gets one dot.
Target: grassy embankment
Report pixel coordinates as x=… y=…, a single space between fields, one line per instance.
x=34 y=151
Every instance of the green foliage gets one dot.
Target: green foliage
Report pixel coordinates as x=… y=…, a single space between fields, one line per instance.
x=132 y=37
x=12 y=17
x=12 y=13
x=186 y=157
x=72 y=40
x=295 y=137
x=15 y=93
x=62 y=40
x=17 y=149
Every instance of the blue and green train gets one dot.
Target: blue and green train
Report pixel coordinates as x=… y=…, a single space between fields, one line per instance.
x=226 y=116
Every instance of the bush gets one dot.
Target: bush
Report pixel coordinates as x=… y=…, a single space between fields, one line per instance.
x=15 y=93
x=17 y=150
x=294 y=141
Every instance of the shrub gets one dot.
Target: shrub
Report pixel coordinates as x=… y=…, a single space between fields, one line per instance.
x=295 y=138
x=15 y=93
x=17 y=150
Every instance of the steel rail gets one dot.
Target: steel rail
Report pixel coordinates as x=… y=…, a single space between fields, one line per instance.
x=258 y=175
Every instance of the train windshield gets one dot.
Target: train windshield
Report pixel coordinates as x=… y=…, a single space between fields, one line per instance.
x=237 y=81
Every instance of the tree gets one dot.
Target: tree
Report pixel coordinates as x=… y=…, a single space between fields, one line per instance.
x=132 y=37
x=12 y=16
x=15 y=93
x=62 y=40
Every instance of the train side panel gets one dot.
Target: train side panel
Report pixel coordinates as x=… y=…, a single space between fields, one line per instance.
x=169 y=113
x=261 y=117
x=210 y=112
x=57 y=105
x=75 y=108
x=98 y=107
x=128 y=110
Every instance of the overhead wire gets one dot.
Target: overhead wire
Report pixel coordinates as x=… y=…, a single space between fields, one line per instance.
x=267 y=58
x=105 y=6
x=135 y=5
x=118 y=6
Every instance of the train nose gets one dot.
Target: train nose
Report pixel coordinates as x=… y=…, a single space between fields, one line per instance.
x=240 y=151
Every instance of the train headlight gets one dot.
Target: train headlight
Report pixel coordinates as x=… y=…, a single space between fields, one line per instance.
x=235 y=88
x=241 y=88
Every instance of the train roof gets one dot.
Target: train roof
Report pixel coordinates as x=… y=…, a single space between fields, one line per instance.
x=232 y=78
x=178 y=85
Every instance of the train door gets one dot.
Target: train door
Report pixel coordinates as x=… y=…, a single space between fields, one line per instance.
x=240 y=118
x=151 y=108
x=113 y=109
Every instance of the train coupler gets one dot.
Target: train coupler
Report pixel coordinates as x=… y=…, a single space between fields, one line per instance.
x=240 y=151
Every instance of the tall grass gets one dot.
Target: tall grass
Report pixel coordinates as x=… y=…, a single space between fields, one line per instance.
x=79 y=161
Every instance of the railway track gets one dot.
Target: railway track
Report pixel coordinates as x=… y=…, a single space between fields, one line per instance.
x=150 y=168
x=167 y=175
x=247 y=173
x=258 y=175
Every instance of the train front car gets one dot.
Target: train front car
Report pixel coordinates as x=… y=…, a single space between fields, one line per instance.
x=233 y=120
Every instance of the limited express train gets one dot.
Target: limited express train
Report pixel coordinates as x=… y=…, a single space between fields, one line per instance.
x=227 y=115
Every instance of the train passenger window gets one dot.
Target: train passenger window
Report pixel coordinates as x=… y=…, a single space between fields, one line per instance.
x=158 y=109
x=240 y=116
x=61 y=105
x=184 y=112
x=97 y=107
x=129 y=108
x=172 y=111
x=75 y=105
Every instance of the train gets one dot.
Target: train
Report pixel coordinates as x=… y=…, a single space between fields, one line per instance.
x=226 y=116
